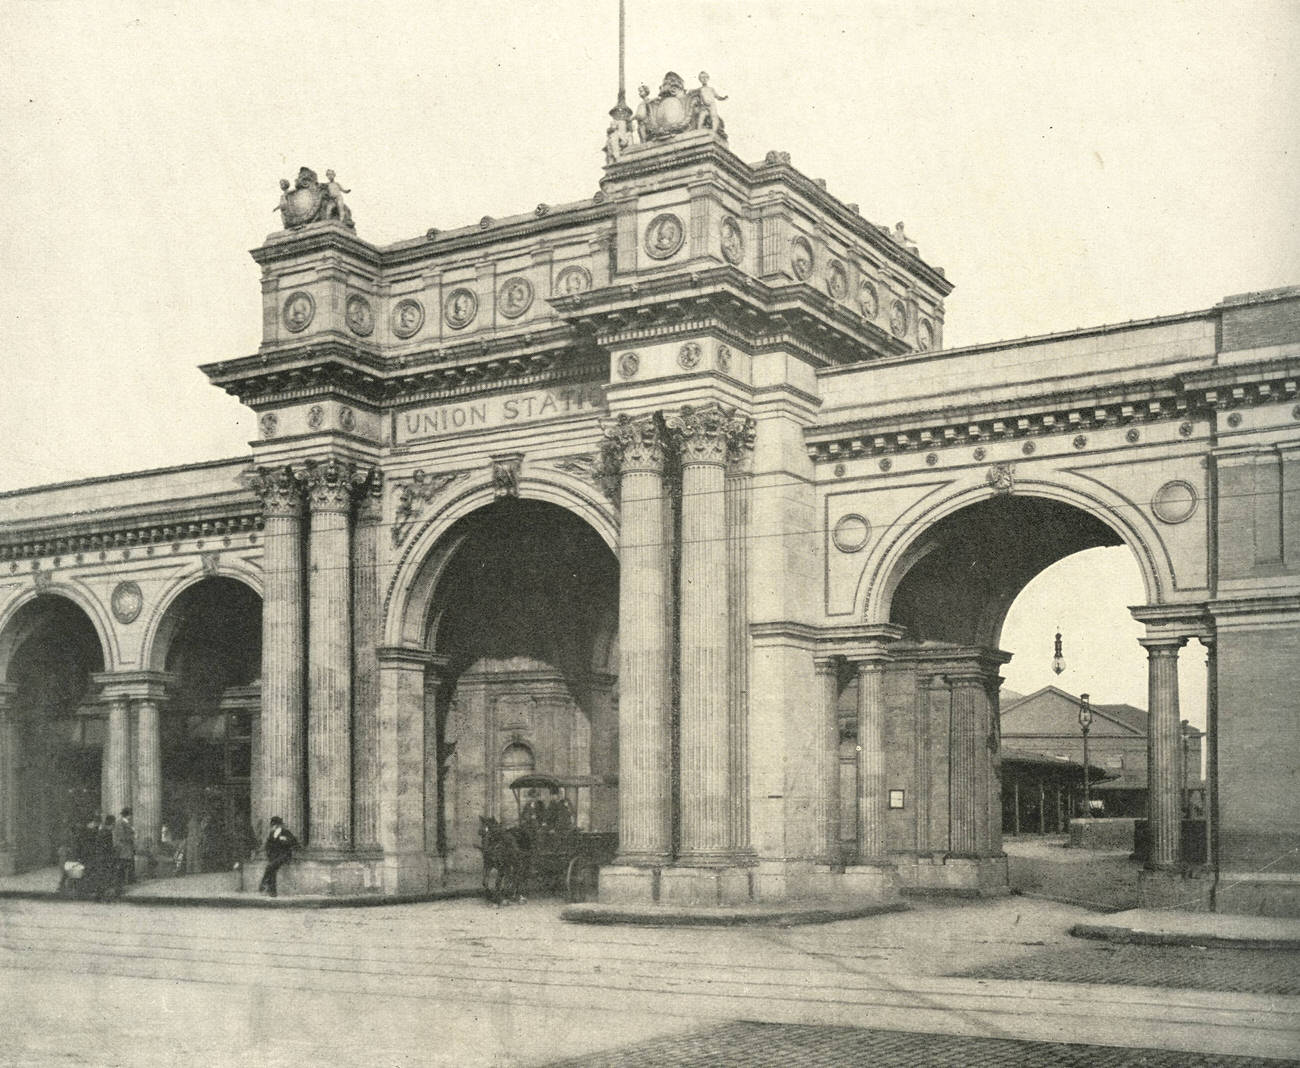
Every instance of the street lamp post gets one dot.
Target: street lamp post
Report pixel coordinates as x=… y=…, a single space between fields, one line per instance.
x=1085 y=721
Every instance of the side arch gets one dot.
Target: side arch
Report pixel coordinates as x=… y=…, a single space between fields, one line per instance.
x=409 y=596
x=162 y=623
x=11 y=637
x=897 y=553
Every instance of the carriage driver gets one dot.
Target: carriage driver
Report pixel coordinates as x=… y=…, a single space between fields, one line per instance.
x=559 y=813
x=533 y=815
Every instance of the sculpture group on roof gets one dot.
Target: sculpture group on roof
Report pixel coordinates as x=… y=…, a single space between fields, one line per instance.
x=309 y=200
x=675 y=110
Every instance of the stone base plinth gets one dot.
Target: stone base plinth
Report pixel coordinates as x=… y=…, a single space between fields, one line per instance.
x=709 y=887
x=343 y=875
x=1172 y=889
x=863 y=883
x=627 y=884
x=1258 y=894
x=965 y=876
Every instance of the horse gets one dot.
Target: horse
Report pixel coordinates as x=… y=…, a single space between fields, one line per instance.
x=505 y=852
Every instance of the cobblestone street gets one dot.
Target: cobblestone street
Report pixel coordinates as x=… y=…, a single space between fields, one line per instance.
x=775 y=1046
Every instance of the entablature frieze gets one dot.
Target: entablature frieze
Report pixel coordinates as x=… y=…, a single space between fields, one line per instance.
x=1157 y=400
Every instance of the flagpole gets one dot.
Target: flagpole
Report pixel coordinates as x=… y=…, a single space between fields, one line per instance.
x=621 y=110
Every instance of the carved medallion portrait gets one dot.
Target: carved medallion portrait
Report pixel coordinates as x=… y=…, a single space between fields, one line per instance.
x=572 y=280
x=925 y=335
x=1174 y=502
x=269 y=423
x=733 y=241
x=460 y=308
x=408 y=317
x=724 y=359
x=664 y=236
x=515 y=297
x=628 y=364
x=126 y=601
x=801 y=258
x=898 y=318
x=837 y=280
x=868 y=300
x=347 y=418
x=316 y=417
x=361 y=320
x=299 y=310
x=851 y=533
x=689 y=355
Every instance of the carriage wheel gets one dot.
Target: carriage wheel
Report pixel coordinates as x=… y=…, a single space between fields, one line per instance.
x=581 y=879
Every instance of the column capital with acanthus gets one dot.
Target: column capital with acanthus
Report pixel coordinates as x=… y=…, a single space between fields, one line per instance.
x=331 y=484
x=637 y=442
x=710 y=433
x=278 y=488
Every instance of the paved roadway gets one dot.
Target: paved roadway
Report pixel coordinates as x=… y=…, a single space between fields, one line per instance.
x=461 y=983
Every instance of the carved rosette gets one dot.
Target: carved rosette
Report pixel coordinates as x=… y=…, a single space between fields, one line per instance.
x=331 y=483
x=710 y=433
x=279 y=490
x=634 y=443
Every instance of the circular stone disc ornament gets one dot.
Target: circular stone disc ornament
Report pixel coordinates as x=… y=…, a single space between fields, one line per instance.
x=515 y=298
x=408 y=317
x=898 y=318
x=361 y=320
x=299 y=310
x=664 y=236
x=1175 y=502
x=801 y=258
x=628 y=364
x=851 y=533
x=572 y=280
x=837 y=281
x=868 y=300
x=733 y=241
x=460 y=308
x=690 y=355
x=127 y=600
x=925 y=335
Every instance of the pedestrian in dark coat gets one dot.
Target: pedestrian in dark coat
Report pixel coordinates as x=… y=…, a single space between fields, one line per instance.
x=280 y=844
x=104 y=862
x=124 y=849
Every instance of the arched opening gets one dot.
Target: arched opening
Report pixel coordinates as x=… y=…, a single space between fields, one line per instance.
x=210 y=641
x=523 y=611
x=59 y=730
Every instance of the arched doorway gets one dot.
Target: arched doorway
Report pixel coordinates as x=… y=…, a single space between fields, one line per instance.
x=210 y=642
x=523 y=614
x=58 y=732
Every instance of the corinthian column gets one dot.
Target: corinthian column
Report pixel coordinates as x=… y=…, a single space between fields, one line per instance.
x=707 y=437
x=1164 y=751
x=330 y=485
x=645 y=743
x=282 y=620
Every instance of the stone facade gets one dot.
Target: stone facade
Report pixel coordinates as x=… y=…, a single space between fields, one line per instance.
x=724 y=393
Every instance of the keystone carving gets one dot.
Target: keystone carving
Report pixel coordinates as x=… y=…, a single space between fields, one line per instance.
x=505 y=476
x=1002 y=477
x=413 y=495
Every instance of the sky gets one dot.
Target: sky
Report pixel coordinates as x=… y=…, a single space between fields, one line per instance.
x=1066 y=164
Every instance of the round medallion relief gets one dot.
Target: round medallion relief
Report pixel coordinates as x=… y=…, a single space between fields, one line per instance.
x=347 y=418
x=127 y=600
x=851 y=533
x=1174 y=502
x=408 y=317
x=315 y=416
x=1234 y=419
x=801 y=258
x=664 y=236
x=689 y=355
x=515 y=298
x=724 y=359
x=361 y=320
x=868 y=300
x=299 y=310
x=733 y=241
x=898 y=318
x=837 y=280
x=269 y=423
x=572 y=280
x=460 y=307
x=628 y=364
x=925 y=335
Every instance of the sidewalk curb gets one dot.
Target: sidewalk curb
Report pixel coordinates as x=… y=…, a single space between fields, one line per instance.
x=1109 y=933
x=669 y=916
x=252 y=901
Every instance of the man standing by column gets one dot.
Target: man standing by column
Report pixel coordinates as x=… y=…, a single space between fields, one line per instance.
x=124 y=850
x=280 y=844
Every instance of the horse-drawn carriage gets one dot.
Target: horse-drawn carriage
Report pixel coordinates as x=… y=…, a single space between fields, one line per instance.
x=545 y=851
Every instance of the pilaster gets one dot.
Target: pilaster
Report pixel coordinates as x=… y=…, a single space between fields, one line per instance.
x=365 y=669
x=9 y=763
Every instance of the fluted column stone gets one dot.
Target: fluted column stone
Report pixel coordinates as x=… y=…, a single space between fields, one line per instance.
x=330 y=486
x=965 y=797
x=365 y=681
x=1164 y=752
x=739 y=494
x=149 y=781
x=826 y=776
x=645 y=739
x=115 y=791
x=707 y=437
x=282 y=738
x=871 y=760
x=9 y=761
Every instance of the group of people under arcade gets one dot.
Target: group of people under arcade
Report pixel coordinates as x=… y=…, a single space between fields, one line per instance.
x=546 y=817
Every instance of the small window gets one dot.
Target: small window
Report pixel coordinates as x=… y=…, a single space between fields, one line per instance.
x=896 y=798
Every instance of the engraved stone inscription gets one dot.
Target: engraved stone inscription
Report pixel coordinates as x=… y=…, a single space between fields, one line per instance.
x=443 y=420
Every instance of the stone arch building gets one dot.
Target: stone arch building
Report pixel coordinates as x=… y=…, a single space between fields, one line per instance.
x=635 y=487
